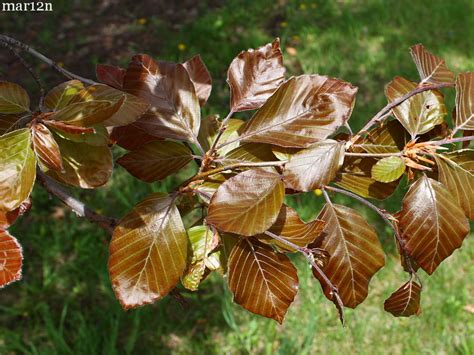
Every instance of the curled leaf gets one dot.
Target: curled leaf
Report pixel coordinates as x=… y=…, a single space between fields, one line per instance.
x=405 y=301
x=200 y=77
x=254 y=75
x=46 y=148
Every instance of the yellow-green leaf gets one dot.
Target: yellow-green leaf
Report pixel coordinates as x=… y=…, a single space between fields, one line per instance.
x=17 y=168
x=60 y=96
x=420 y=113
x=388 y=169
x=13 y=98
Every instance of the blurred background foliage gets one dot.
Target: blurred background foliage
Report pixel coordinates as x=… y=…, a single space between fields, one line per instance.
x=65 y=303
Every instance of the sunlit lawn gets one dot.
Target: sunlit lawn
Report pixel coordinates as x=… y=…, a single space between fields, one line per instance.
x=65 y=303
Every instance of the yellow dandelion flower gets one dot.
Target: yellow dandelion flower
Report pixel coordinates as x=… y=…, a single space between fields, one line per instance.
x=141 y=21
x=283 y=24
x=181 y=47
x=318 y=192
x=302 y=6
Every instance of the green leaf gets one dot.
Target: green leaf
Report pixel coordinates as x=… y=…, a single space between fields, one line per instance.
x=84 y=110
x=356 y=176
x=250 y=153
x=174 y=111
x=355 y=253
x=84 y=165
x=262 y=281
x=388 y=169
x=99 y=137
x=60 y=96
x=11 y=259
x=433 y=224
x=17 y=168
x=209 y=129
x=13 y=98
x=248 y=203
x=389 y=138
x=458 y=180
x=420 y=113
x=290 y=226
x=303 y=111
x=405 y=301
x=148 y=252
x=432 y=69
x=155 y=161
x=464 y=101
x=203 y=242
x=315 y=166
x=254 y=75
x=131 y=110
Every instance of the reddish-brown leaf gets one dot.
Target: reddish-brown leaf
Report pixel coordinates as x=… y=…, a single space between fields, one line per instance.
x=156 y=160
x=46 y=148
x=405 y=301
x=254 y=75
x=248 y=203
x=130 y=137
x=200 y=77
x=464 y=101
x=110 y=75
x=355 y=253
x=262 y=281
x=11 y=259
x=314 y=167
x=9 y=123
x=67 y=128
x=304 y=110
x=174 y=112
x=290 y=226
x=8 y=218
x=148 y=252
x=432 y=69
x=433 y=224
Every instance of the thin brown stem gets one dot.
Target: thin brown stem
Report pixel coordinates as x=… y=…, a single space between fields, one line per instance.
x=309 y=257
x=222 y=129
x=30 y=70
x=350 y=154
x=450 y=140
x=105 y=222
x=384 y=112
x=234 y=166
x=15 y=43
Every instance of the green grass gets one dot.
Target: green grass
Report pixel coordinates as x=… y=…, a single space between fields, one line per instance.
x=65 y=303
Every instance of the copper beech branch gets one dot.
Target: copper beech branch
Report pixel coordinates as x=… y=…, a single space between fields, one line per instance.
x=309 y=256
x=24 y=47
x=54 y=188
